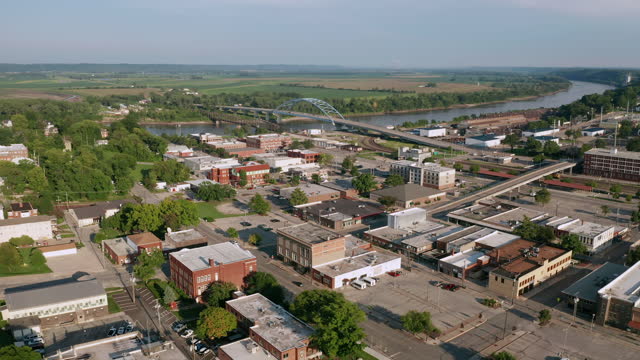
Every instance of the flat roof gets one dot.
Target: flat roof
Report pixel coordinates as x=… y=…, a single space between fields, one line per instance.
x=271 y=322
x=516 y=261
x=346 y=207
x=588 y=286
x=26 y=220
x=246 y=349
x=339 y=184
x=408 y=192
x=43 y=294
x=545 y=137
x=484 y=137
x=309 y=189
x=593 y=129
x=308 y=233
x=504 y=215
x=352 y=263
x=184 y=235
x=223 y=253
x=617 y=154
x=429 y=166
x=463 y=259
x=625 y=287
x=119 y=246
x=98 y=209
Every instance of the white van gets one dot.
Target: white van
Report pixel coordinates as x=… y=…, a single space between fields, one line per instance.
x=369 y=281
x=359 y=284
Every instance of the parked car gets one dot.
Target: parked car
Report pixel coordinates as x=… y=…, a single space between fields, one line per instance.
x=194 y=341
x=112 y=331
x=245 y=223
x=204 y=350
x=129 y=328
x=186 y=333
x=264 y=227
x=298 y=283
x=178 y=326
x=394 y=273
x=274 y=220
x=121 y=330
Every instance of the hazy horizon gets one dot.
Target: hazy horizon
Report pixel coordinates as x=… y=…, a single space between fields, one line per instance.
x=405 y=34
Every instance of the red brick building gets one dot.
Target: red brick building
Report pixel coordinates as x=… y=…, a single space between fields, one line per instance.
x=13 y=151
x=21 y=210
x=272 y=328
x=145 y=241
x=221 y=174
x=245 y=152
x=192 y=270
x=254 y=170
x=269 y=142
x=307 y=156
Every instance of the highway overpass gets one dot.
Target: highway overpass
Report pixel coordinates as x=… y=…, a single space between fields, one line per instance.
x=503 y=187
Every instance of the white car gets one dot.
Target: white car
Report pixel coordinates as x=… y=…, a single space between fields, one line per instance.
x=186 y=333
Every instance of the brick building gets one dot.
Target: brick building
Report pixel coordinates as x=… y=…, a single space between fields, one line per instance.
x=254 y=170
x=13 y=151
x=623 y=165
x=268 y=142
x=245 y=152
x=272 y=328
x=619 y=301
x=306 y=245
x=313 y=192
x=307 y=156
x=21 y=210
x=221 y=173
x=192 y=270
x=124 y=250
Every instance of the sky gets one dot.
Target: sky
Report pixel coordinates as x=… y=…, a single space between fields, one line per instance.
x=353 y=33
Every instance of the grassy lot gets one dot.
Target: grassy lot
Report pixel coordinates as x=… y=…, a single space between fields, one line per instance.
x=112 y=305
x=105 y=234
x=65 y=236
x=137 y=172
x=210 y=210
x=360 y=355
x=27 y=269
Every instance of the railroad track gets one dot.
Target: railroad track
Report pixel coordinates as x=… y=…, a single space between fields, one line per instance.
x=369 y=143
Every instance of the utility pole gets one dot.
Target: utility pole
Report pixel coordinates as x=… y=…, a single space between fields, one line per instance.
x=575 y=307
x=133 y=288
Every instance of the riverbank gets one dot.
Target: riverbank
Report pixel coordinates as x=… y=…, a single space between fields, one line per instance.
x=441 y=108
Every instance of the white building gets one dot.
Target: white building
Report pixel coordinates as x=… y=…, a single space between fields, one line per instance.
x=484 y=141
x=339 y=273
x=183 y=186
x=283 y=162
x=425 y=174
x=406 y=218
x=458 y=265
x=432 y=132
x=69 y=302
x=594 y=131
x=203 y=163
x=544 y=139
x=93 y=214
x=594 y=236
x=407 y=153
x=36 y=227
x=540 y=132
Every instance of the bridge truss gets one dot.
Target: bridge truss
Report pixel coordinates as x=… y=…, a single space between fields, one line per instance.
x=326 y=108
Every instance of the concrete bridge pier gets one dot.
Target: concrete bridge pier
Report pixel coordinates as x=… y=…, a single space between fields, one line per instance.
x=278 y=118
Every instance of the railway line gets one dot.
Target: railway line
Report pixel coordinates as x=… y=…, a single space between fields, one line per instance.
x=370 y=144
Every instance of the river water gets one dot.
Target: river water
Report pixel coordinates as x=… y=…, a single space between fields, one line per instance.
x=577 y=90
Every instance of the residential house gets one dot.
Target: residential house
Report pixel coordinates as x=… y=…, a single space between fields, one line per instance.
x=21 y=210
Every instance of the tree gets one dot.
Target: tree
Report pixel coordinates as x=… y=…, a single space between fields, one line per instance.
x=474 y=168
x=259 y=205
x=217 y=293
x=635 y=217
x=316 y=178
x=592 y=183
x=387 y=201
x=215 y=192
x=171 y=171
x=551 y=148
x=503 y=355
x=633 y=256
x=347 y=164
x=149 y=179
x=24 y=240
x=572 y=242
x=255 y=239
x=605 y=210
x=12 y=352
x=9 y=256
x=628 y=197
x=538 y=159
x=544 y=316
x=170 y=295
x=354 y=171
x=36 y=257
x=295 y=180
x=325 y=159
x=531 y=231
x=533 y=146
x=335 y=321
x=154 y=259
x=543 y=196
x=633 y=144
x=243 y=179
x=307 y=144
x=458 y=166
x=615 y=188
x=265 y=284
x=364 y=183
x=393 y=180
x=298 y=197
x=296 y=144
x=601 y=143
x=215 y=322
x=417 y=322
x=232 y=233
x=143 y=272
x=511 y=140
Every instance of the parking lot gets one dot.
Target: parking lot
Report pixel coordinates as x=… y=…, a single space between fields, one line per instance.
x=393 y=297
x=62 y=337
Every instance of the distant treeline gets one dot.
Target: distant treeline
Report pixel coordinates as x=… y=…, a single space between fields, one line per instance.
x=616 y=77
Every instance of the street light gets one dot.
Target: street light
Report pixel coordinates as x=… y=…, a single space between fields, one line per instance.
x=575 y=307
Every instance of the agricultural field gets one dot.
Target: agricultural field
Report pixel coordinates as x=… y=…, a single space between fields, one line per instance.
x=416 y=85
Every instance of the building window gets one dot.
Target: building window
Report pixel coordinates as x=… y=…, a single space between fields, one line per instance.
x=502 y=280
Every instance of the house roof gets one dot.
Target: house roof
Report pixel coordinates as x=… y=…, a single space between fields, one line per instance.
x=144 y=238
x=223 y=253
x=21 y=206
x=36 y=295
x=99 y=209
x=408 y=192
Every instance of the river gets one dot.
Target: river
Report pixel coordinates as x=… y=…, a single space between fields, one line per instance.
x=577 y=90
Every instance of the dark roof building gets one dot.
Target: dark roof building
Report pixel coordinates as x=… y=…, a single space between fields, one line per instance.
x=408 y=195
x=338 y=214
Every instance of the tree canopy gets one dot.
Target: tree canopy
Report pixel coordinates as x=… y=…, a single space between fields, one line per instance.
x=418 y=322
x=572 y=242
x=543 y=196
x=298 y=197
x=215 y=192
x=335 y=320
x=259 y=205
x=218 y=293
x=394 y=180
x=215 y=322
x=12 y=352
x=531 y=231
x=364 y=183
x=265 y=284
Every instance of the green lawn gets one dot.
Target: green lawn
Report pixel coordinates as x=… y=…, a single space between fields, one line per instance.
x=137 y=172
x=113 y=306
x=210 y=210
x=360 y=355
x=26 y=269
x=65 y=236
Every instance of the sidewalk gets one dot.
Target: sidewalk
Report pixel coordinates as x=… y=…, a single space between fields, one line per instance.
x=499 y=345
x=378 y=355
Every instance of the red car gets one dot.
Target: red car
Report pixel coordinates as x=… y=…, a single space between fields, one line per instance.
x=394 y=273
